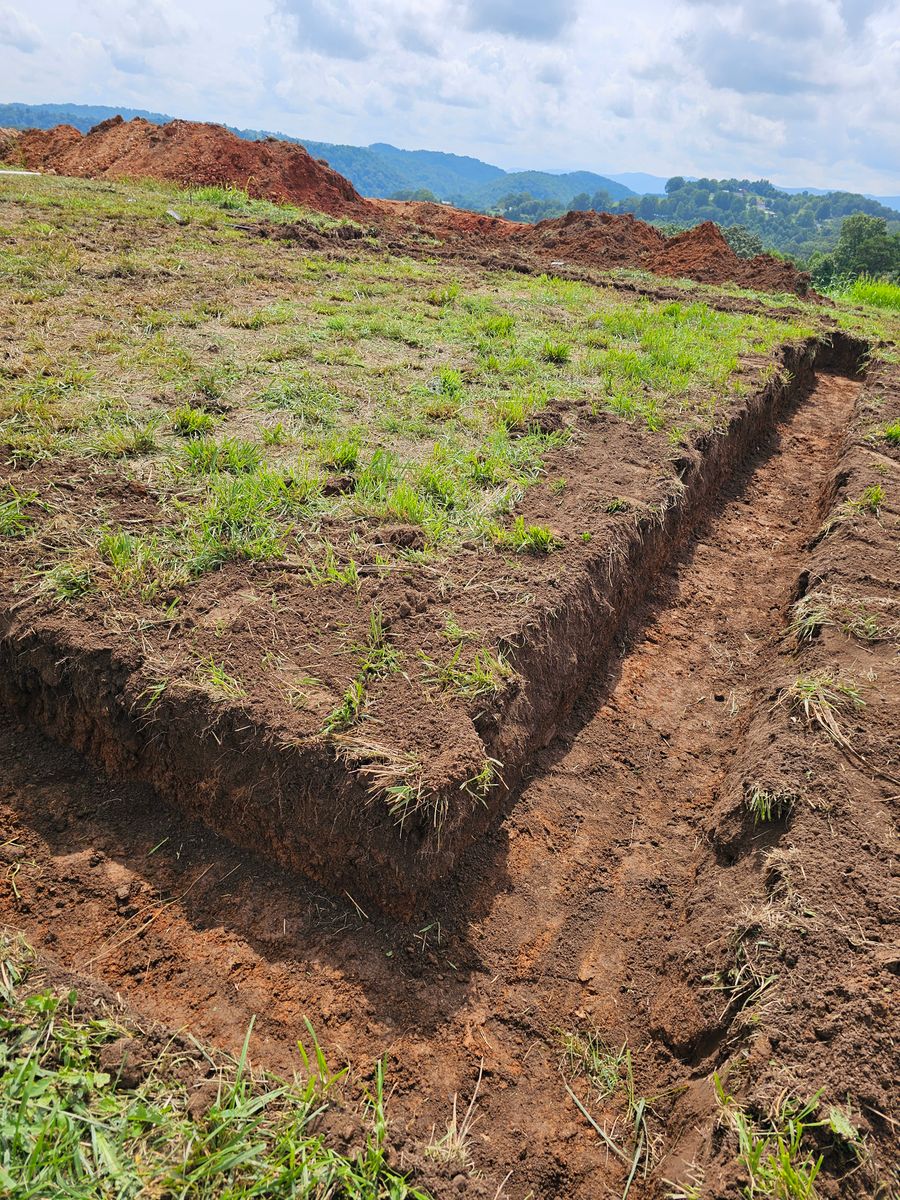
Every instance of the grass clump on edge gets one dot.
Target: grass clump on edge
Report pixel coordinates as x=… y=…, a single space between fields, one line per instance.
x=349 y=711
x=765 y=806
x=822 y=699
x=772 y=1152
x=869 y=500
x=527 y=539
x=73 y=1129
x=486 y=674
x=876 y=292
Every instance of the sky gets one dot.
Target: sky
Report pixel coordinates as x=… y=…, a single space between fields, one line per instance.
x=803 y=92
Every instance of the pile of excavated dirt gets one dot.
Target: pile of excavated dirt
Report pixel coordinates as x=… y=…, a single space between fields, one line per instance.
x=702 y=253
x=448 y=223
x=190 y=153
x=595 y=239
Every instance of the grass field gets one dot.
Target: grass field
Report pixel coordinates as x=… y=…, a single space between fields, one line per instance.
x=263 y=391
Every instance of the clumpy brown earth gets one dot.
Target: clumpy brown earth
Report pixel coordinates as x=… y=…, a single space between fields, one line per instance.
x=627 y=892
x=191 y=153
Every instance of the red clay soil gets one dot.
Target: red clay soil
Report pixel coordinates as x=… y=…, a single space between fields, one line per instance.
x=608 y=240
x=189 y=153
x=702 y=253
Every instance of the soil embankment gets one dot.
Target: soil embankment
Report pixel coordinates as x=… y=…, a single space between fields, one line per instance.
x=192 y=153
x=296 y=799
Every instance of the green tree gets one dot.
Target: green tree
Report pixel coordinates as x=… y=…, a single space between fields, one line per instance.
x=821 y=268
x=415 y=194
x=601 y=201
x=743 y=242
x=865 y=247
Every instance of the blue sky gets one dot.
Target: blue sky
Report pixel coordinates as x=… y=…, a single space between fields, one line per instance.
x=802 y=91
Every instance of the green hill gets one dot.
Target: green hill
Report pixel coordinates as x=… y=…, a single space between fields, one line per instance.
x=541 y=185
x=82 y=116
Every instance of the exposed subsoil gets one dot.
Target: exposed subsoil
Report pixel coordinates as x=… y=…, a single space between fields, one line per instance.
x=607 y=899
x=192 y=153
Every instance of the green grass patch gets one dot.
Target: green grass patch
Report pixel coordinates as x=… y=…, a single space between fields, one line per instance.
x=74 y=1128
x=14 y=520
x=529 y=539
x=876 y=292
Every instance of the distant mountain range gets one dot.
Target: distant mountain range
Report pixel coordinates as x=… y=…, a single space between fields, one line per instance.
x=384 y=170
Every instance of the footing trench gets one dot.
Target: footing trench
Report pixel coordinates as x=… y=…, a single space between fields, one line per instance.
x=600 y=905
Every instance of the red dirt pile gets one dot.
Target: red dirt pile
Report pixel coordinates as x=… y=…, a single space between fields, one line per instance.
x=190 y=153
x=449 y=224
x=702 y=253
x=595 y=239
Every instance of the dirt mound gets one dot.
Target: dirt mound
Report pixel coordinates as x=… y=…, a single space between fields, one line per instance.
x=702 y=253
x=190 y=153
x=448 y=223
x=597 y=239
x=38 y=148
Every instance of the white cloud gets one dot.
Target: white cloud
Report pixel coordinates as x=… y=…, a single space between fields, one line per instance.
x=17 y=31
x=803 y=91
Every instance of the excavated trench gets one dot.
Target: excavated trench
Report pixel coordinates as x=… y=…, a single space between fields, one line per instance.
x=586 y=907
x=303 y=804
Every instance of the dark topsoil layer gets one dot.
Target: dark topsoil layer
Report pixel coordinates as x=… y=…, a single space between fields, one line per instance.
x=190 y=153
x=264 y=774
